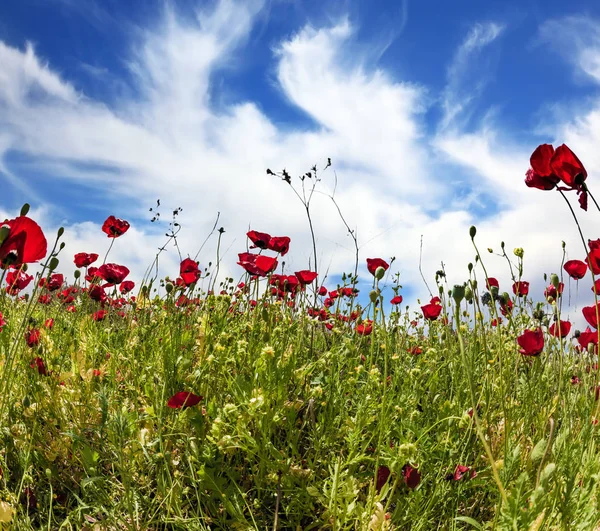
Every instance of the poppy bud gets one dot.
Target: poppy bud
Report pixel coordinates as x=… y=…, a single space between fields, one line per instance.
x=4 y=232
x=458 y=293
x=504 y=298
x=441 y=289
x=144 y=290
x=472 y=231
x=474 y=284
x=24 y=209
x=77 y=273
x=494 y=291
x=502 y=245
x=53 y=263
x=24 y=268
x=519 y=252
x=379 y=273
x=61 y=231
x=554 y=280
x=490 y=250
x=373 y=295
x=168 y=287
x=62 y=245
x=468 y=294
x=470 y=267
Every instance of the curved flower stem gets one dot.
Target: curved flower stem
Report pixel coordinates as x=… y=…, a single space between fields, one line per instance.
x=586 y=189
x=109 y=248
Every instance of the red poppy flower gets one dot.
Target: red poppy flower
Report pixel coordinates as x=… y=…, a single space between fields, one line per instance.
x=322 y=291
x=560 y=331
x=112 y=273
x=496 y=322
x=383 y=474
x=575 y=380
x=531 y=342
x=16 y=281
x=54 y=282
x=96 y=293
x=567 y=167
x=541 y=175
x=100 y=315
x=126 y=286
x=411 y=475
x=259 y=239
x=2 y=321
x=521 y=289
x=591 y=314
x=415 y=351
x=32 y=337
x=552 y=291
x=279 y=244
x=24 y=244
x=49 y=324
x=374 y=263
x=593 y=260
x=396 y=300
x=115 y=227
x=38 y=363
x=364 y=328
x=92 y=274
x=188 y=271
x=183 y=399
x=596 y=287
x=305 y=276
x=255 y=264
x=85 y=259
x=576 y=269
x=432 y=310
x=586 y=337
x=461 y=471
x=492 y=283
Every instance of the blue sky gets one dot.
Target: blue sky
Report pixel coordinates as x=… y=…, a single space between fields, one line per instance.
x=429 y=110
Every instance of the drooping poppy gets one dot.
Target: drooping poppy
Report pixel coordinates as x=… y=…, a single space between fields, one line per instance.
x=411 y=476
x=576 y=269
x=541 y=175
x=531 y=342
x=259 y=239
x=560 y=331
x=114 y=227
x=279 y=244
x=189 y=271
x=521 y=288
x=25 y=242
x=396 y=300
x=112 y=273
x=85 y=259
x=306 y=277
x=383 y=474
x=374 y=263
x=183 y=399
x=567 y=167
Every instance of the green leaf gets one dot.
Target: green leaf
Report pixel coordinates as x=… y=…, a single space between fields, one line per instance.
x=469 y=520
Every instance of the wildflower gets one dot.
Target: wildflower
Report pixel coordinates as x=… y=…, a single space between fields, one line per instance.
x=364 y=328
x=38 y=363
x=189 y=272
x=461 y=472
x=259 y=239
x=576 y=269
x=279 y=244
x=183 y=399
x=32 y=337
x=396 y=300
x=126 y=286
x=112 y=273
x=255 y=264
x=25 y=242
x=84 y=259
x=411 y=475
x=432 y=310
x=374 y=263
x=114 y=227
x=16 y=281
x=383 y=474
x=531 y=342
x=305 y=276
x=2 y=321
x=521 y=288
x=100 y=315
x=554 y=292
x=492 y=283
x=322 y=291
x=586 y=337
x=560 y=331
x=591 y=314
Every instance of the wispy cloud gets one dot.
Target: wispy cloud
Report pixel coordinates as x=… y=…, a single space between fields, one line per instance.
x=466 y=77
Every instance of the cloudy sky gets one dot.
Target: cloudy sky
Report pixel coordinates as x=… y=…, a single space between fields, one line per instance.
x=428 y=109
